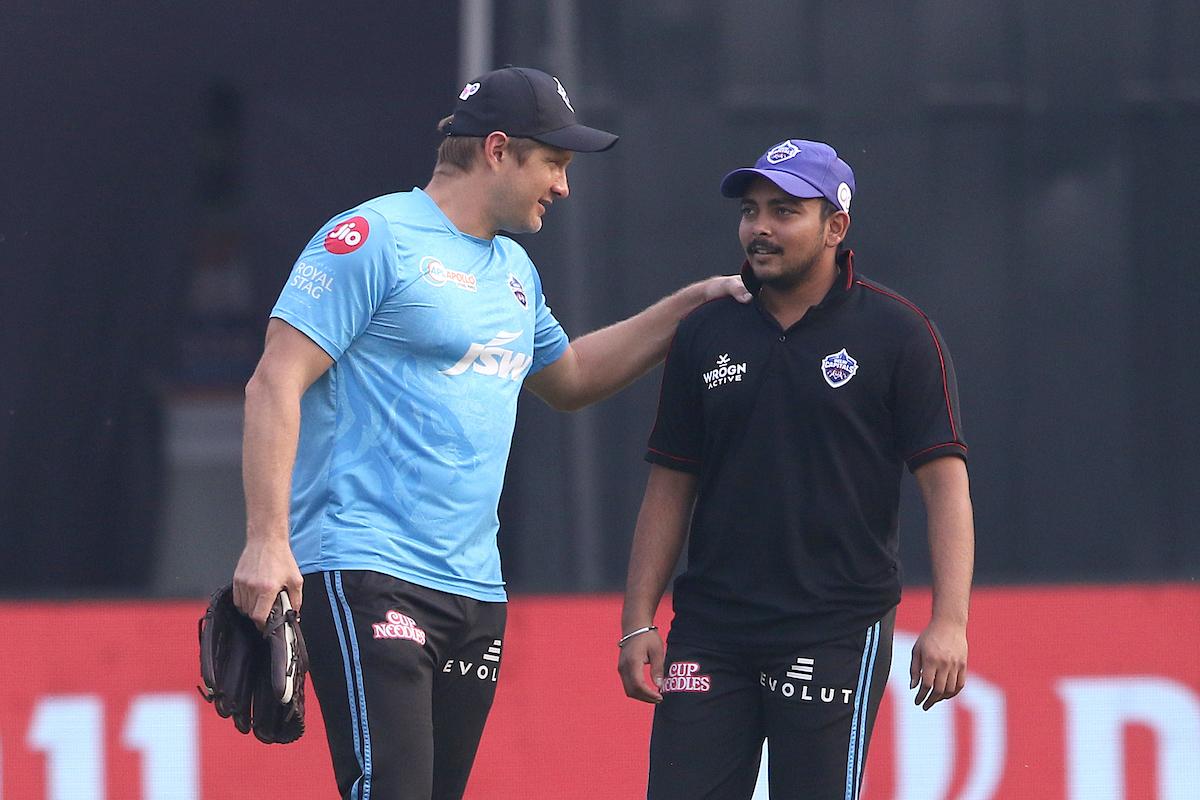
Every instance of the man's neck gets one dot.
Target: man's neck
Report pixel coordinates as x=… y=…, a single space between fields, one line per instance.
x=789 y=305
x=463 y=201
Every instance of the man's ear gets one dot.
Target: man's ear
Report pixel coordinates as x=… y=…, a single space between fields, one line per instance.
x=495 y=149
x=837 y=228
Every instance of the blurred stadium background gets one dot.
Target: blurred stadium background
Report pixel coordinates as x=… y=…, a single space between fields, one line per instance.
x=1027 y=172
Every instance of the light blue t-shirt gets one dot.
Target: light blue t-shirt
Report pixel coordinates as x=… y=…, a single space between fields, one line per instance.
x=404 y=441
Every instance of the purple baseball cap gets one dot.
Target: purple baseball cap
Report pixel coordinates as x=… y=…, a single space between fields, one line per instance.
x=802 y=169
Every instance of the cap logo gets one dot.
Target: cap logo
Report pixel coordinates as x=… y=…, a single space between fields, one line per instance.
x=468 y=90
x=838 y=368
x=782 y=152
x=563 y=94
x=844 y=196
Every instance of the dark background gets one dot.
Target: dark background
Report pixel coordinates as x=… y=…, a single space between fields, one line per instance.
x=1027 y=173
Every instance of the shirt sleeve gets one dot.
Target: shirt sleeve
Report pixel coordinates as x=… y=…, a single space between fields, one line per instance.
x=677 y=440
x=928 y=424
x=549 y=339
x=339 y=281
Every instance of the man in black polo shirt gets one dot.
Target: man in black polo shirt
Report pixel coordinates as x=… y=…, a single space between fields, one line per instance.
x=783 y=429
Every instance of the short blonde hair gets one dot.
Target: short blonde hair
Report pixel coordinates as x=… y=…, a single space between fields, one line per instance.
x=460 y=152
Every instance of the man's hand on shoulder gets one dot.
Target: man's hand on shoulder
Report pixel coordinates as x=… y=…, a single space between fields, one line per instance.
x=726 y=286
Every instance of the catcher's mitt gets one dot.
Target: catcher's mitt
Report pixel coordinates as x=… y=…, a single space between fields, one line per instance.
x=256 y=678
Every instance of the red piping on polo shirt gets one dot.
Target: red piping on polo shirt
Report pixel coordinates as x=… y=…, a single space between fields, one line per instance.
x=674 y=457
x=935 y=447
x=936 y=343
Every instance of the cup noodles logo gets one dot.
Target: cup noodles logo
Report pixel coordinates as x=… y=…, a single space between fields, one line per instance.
x=347 y=236
x=398 y=626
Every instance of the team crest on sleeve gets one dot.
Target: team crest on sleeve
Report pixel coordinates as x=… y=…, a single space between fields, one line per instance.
x=518 y=290
x=347 y=236
x=838 y=368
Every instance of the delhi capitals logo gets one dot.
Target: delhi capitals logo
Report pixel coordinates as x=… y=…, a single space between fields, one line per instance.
x=838 y=368
x=518 y=290
x=782 y=152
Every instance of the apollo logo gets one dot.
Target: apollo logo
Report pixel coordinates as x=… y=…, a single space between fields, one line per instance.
x=438 y=274
x=492 y=358
x=347 y=236
x=724 y=373
x=468 y=90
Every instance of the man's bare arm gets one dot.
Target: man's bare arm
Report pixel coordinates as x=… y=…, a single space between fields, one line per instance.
x=289 y=365
x=939 y=658
x=661 y=530
x=605 y=361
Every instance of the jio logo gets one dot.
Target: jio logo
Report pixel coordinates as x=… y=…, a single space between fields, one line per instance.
x=347 y=236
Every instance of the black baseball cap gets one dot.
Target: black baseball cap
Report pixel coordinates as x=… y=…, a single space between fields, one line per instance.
x=526 y=103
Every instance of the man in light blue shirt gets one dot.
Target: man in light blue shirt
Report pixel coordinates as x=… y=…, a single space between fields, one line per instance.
x=378 y=427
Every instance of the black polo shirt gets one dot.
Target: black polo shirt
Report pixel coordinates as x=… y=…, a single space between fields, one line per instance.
x=799 y=438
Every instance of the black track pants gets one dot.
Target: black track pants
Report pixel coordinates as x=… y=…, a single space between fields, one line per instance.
x=405 y=676
x=815 y=707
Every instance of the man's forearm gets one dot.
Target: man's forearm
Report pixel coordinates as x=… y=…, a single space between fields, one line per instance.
x=657 y=541
x=271 y=433
x=951 y=538
x=605 y=361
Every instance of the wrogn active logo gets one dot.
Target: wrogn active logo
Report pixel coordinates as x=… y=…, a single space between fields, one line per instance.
x=725 y=372
x=491 y=358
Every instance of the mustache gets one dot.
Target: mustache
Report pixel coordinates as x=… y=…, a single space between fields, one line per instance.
x=762 y=246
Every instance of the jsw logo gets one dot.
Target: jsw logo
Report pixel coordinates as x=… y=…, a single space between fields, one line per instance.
x=492 y=359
